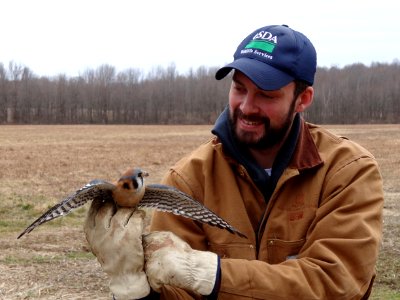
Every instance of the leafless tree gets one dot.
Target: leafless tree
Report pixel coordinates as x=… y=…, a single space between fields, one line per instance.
x=353 y=94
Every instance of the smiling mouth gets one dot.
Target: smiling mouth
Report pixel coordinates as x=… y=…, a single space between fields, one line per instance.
x=250 y=122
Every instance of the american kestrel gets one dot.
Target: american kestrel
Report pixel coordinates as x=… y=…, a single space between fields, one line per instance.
x=130 y=191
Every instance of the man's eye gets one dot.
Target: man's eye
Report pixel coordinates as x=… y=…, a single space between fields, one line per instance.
x=266 y=96
x=239 y=89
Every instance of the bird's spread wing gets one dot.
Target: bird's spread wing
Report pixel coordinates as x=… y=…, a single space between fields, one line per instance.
x=169 y=199
x=96 y=189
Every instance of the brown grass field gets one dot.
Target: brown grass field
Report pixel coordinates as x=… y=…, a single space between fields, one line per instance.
x=41 y=164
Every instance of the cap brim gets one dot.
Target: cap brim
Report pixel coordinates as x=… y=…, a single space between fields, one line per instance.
x=263 y=75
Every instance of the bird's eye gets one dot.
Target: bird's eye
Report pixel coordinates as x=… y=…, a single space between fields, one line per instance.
x=135 y=183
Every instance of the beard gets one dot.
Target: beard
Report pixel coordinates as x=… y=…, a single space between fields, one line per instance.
x=270 y=136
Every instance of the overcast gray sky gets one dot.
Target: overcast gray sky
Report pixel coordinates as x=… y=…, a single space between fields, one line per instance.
x=69 y=36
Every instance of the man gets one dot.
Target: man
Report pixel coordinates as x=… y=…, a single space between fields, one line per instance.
x=309 y=202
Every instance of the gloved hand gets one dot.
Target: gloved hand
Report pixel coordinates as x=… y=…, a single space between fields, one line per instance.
x=115 y=238
x=171 y=261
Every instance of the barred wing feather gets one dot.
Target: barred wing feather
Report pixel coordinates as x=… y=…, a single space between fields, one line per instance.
x=96 y=189
x=169 y=199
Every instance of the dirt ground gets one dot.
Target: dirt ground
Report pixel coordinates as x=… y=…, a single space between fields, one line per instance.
x=41 y=164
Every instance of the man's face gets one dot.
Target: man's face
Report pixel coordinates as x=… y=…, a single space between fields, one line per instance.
x=260 y=119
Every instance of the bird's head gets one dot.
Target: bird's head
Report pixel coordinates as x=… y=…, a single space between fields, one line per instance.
x=130 y=187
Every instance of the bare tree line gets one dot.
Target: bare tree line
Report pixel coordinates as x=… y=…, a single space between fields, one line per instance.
x=357 y=94
x=353 y=94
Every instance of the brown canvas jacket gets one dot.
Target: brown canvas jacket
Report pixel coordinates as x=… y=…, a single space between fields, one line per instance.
x=319 y=235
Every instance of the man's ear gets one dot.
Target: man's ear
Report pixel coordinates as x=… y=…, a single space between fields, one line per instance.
x=305 y=99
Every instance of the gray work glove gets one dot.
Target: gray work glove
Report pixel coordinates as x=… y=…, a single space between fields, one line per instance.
x=115 y=238
x=171 y=261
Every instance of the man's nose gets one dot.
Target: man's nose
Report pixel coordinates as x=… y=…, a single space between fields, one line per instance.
x=249 y=105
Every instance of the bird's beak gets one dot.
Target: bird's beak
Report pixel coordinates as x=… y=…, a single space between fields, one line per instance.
x=137 y=172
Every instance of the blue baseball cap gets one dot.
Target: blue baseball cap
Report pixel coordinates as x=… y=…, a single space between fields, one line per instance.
x=273 y=56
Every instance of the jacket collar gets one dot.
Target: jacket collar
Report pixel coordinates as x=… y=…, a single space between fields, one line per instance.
x=306 y=155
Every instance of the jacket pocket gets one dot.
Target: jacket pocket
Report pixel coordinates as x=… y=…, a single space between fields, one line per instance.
x=280 y=250
x=244 y=251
